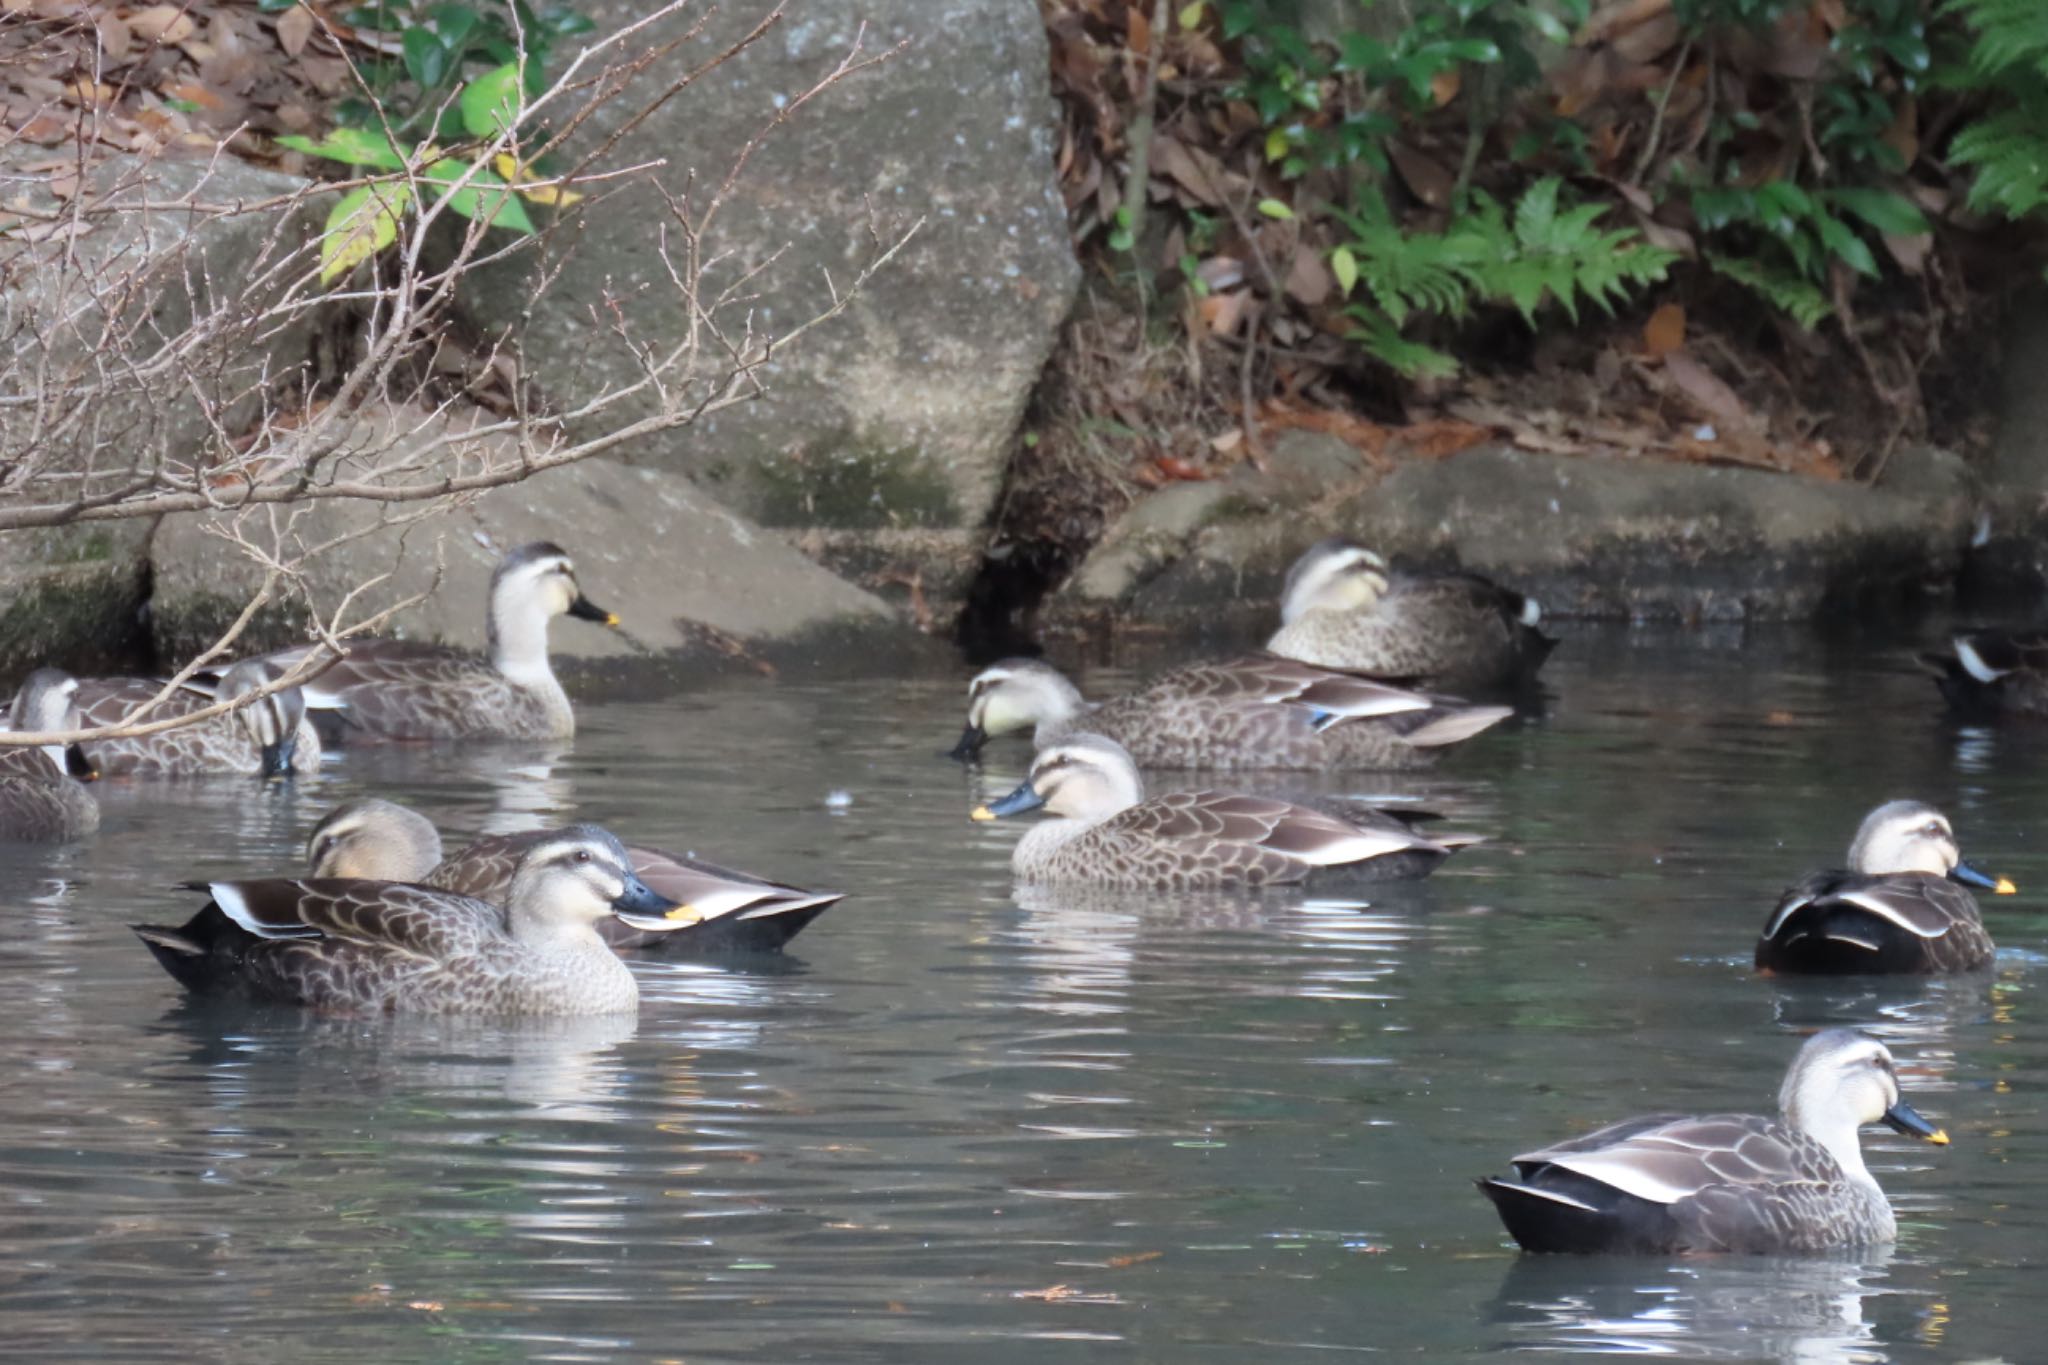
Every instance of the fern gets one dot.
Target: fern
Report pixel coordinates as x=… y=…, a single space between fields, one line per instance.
x=2008 y=147
x=1382 y=340
x=1789 y=293
x=1546 y=253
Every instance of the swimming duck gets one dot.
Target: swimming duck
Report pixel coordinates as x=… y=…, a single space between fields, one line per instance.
x=1109 y=834
x=388 y=947
x=399 y=690
x=1993 y=673
x=40 y=799
x=1724 y=1182
x=718 y=910
x=1899 y=907
x=267 y=738
x=1255 y=712
x=1342 y=608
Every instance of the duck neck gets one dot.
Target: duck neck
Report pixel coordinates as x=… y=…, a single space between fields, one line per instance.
x=1842 y=1139
x=552 y=933
x=519 y=639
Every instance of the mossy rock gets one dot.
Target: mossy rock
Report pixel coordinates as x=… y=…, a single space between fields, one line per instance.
x=848 y=489
x=198 y=619
x=84 y=617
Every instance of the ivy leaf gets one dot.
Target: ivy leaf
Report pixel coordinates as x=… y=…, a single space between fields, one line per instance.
x=1344 y=266
x=484 y=198
x=491 y=103
x=353 y=146
x=1273 y=208
x=361 y=225
x=426 y=56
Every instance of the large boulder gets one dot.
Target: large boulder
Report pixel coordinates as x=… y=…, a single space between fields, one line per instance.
x=685 y=575
x=1589 y=536
x=898 y=415
x=89 y=316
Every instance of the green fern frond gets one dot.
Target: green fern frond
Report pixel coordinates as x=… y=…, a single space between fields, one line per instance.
x=2009 y=152
x=2009 y=35
x=1789 y=293
x=1382 y=340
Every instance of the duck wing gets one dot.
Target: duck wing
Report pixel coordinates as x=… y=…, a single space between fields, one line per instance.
x=1271 y=680
x=1991 y=672
x=418 y=920
x=1846 y=922
x=1308 y=837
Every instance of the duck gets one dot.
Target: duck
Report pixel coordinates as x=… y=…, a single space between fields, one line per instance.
x=1343 y=608
x=1901 y=907
x=1989 y=674
x=1259 y=711
x=1741 y=1183
x=1109 y=833
x=718 y=910
x=41 y=797
x=267 y=738
x=401 y=690
x=380 y=947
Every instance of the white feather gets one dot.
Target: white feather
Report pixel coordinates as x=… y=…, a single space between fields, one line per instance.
x=1551 y=1195
x=1973 y=662
x=1532 y=612
x=1617 y=1168
x=1878 y=906
x=1360 y=847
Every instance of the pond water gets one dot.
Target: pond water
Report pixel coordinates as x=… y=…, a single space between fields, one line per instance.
x=962 y=1122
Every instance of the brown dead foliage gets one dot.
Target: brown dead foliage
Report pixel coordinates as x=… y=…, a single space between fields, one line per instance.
x=1700 y=371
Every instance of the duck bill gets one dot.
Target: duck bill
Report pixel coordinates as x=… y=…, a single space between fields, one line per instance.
x=641 y=906
x=1970 y=876
x=77 y=765
x=1904 y=1118
x=972 y=737
x=277 y=758
x=1016 y=803
x=583 y=609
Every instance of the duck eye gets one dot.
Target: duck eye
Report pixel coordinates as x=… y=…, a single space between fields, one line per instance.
x=582 y=855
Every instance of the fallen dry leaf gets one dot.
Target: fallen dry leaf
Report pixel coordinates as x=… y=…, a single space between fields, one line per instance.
x=1706 y=391
x=1137 y=1258
x=1665 y=331
x=1425 y=177
x=167 y=24
x=295 y=29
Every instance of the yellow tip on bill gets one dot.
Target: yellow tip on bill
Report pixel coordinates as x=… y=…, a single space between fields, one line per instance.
x=611 y=618
x=1939 y=1137
x=687 y=914
x=981 y=813
x=2004 y=888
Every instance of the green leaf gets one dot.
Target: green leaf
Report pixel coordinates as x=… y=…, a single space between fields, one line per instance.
x=482 y=199
x=1842 y=240
x=1883 y=210
x=1480 y=50
x=353 y=146
x=1273 y=208
x=1549 y=26
x=1344 y=266
x=362 y=224
x=1191 y=14
x=1788 y=293
x=1383 y=340
x=426 y=57
x=491 y=103
x=454 y=23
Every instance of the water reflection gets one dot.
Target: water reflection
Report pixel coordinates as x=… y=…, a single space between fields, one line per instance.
x=1797 y=1311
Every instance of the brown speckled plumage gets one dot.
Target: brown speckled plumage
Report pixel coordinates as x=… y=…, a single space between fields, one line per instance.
x=221 y=744
x=379 y=946
x=1452 y=631
x=1251 y=713
x=1106 y=832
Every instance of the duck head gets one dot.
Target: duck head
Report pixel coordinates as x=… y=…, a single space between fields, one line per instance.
x=1912 y=836
x=573 y=878
x=48 y=701
x=1083 y=777
x=1333 y=575
x=1841 y=1081
x=272 y=722
x=374 y=839
x=1015 y=694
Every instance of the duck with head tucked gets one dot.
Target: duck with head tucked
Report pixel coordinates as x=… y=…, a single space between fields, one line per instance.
x=41 y=800
x=1106 y=832
x=716 y=909
x=1255 y=712
x=1724 y=1182
x=269 y=737
x=388 y=947
x=400 y=690
x=1994 y=675
x=1343 y=608
x=1902 y=906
